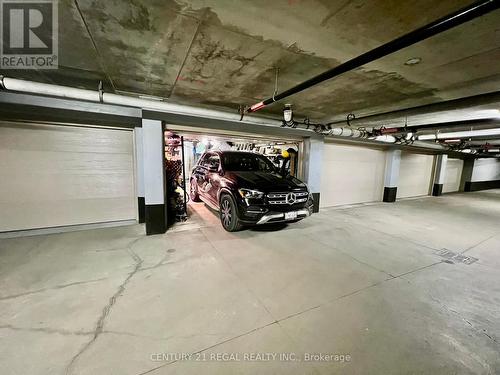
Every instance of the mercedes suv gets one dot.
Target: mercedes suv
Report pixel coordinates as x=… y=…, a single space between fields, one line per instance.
x=247 y=189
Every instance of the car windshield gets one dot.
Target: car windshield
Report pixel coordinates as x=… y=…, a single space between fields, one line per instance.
x=246 y=162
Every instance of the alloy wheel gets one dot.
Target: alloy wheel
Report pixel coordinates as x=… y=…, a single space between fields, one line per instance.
x=226 y=213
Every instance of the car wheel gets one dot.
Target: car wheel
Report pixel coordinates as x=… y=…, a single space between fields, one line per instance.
x=228 y=214
x=193 y=191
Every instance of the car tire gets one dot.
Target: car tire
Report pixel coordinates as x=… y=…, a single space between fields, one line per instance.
x=193 y=191
x=228 y=214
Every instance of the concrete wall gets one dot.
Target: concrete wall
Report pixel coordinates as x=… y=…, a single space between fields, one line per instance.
x=415 y=175
x=452 y=175
x=486 y=170
x=351 y=174
x=60 y=175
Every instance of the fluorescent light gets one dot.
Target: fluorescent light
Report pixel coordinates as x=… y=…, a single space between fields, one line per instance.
x=461 y=134
x=384 y=138
x=494 y=150
x=427 y=137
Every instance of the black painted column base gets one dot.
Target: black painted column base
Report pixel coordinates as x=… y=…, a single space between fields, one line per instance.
x=390 y=194
x=437 y=190
x=481 y=185
x=141 y=207
x=315 y=202
x=156 y=222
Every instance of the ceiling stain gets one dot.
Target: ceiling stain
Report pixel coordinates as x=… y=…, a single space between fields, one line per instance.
x=137 y=18
x=224 y=53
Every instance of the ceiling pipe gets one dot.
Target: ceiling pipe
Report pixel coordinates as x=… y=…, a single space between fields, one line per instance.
x=36 y=88
x=429 y=145
x=466 y=14
x=155 y=105
x=123 y=100
x=457 y=126
x=451 y=112
x=460 y=134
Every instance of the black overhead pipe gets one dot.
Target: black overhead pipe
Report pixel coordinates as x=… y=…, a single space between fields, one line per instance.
x=475 y=10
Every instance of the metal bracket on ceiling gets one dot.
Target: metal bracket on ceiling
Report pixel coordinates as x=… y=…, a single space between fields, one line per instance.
x=436 y=135
x=241 y=110
x=307 y=122
x=101 y=91
x=275 y=92
x=349 y=118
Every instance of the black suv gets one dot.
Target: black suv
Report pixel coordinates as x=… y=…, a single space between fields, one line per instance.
x=247 y=189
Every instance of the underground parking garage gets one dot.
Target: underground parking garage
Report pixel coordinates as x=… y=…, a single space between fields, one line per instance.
x=218 y=187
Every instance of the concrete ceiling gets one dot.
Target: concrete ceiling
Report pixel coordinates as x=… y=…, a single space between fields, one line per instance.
x=222 y=53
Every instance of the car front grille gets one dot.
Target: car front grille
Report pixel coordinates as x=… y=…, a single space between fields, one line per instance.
x=288 y=197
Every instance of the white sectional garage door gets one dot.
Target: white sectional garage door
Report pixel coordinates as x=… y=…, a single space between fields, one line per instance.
x=453 y=175
x=486 y=170
x=351 y=174
x=64 y=175
x=415 y=175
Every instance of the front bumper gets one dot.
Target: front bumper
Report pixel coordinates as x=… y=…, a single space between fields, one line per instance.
x=260 y=211
x=279 y=217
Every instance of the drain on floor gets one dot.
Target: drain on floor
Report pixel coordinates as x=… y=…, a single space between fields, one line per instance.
x=452 y=257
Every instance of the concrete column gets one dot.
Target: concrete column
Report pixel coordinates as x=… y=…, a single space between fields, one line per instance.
x=154 y=177
x=313 y=157
x=139 y=173
x=466 y=179
x=392 y=163
x=439 y=174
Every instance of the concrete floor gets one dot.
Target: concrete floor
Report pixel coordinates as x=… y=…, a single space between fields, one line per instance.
x=365 y=282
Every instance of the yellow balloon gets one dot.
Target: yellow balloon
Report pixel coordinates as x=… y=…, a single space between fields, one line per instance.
x=285 y=154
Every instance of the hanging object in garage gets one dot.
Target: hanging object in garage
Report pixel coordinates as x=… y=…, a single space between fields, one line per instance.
x=175 y=178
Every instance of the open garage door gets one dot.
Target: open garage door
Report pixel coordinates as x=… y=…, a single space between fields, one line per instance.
x=185 y=148
x=56 y=175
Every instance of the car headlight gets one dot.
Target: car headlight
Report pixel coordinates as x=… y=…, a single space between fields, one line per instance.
x=247 y=193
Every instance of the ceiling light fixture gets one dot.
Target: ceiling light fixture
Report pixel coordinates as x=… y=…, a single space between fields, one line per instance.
x=413 y=61
x=288 y=114
x=427 y=137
